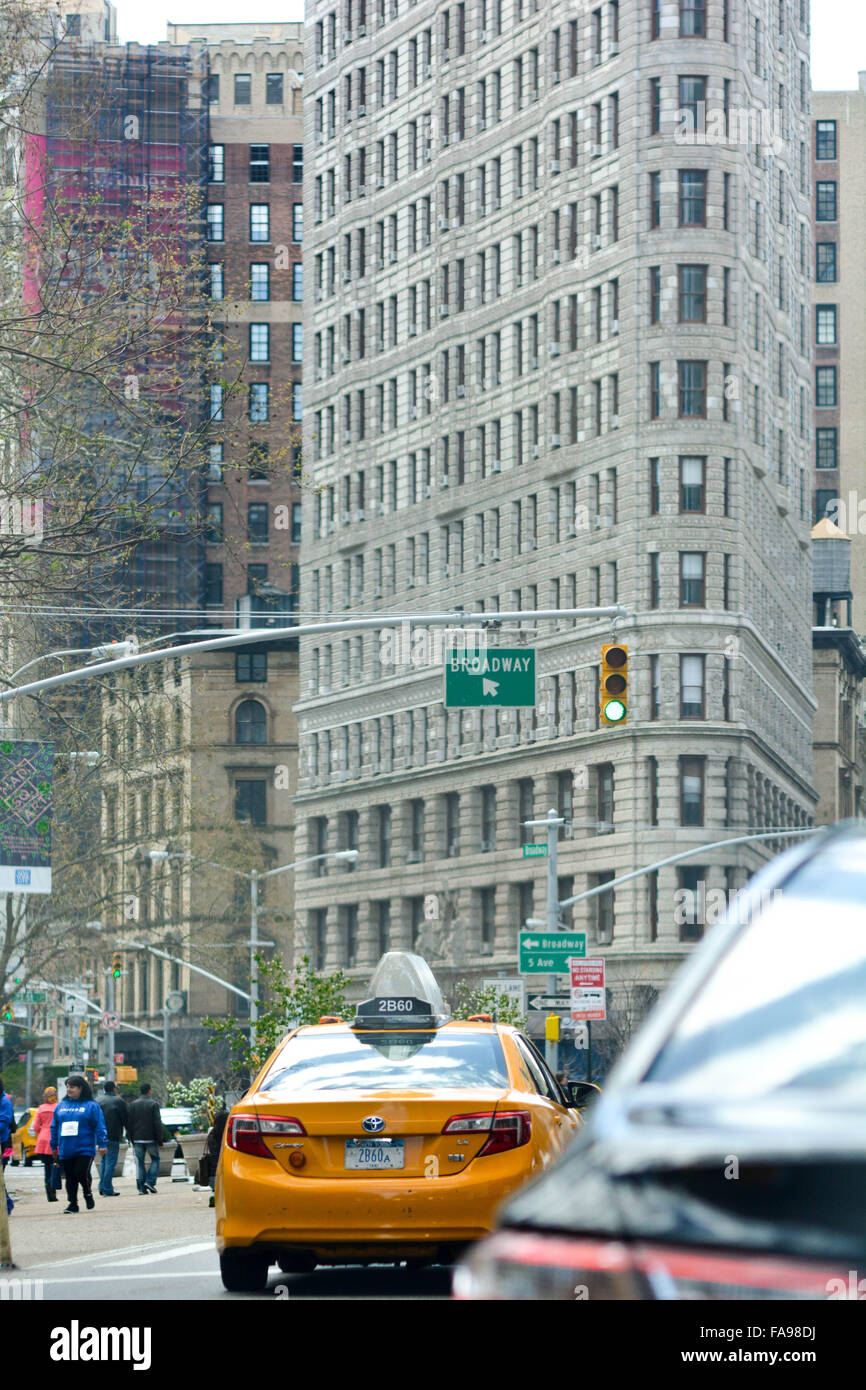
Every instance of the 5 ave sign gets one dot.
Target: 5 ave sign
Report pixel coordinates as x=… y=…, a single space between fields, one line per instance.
x=548 y=953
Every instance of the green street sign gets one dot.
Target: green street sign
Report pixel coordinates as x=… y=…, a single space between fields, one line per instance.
x=503 y=676
x=548 y=953
x=535 y=851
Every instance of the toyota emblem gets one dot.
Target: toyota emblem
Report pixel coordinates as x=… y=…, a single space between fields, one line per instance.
x=374 y=1124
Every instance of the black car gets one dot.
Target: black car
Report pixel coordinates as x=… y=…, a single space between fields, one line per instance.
x=727 y=1155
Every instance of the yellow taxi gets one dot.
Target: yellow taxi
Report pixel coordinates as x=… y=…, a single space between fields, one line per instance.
x=393 y=1137
x=24 y=1140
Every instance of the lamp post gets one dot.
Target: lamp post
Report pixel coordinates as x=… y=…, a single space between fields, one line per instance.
x=160 y=856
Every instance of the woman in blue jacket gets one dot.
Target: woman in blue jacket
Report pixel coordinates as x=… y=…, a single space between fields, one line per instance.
x=77 y=1130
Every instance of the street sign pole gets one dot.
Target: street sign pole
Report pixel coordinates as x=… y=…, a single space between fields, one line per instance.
x=551 y=1049
x=28 y=1075
x=588 y=1051
x=109 y=999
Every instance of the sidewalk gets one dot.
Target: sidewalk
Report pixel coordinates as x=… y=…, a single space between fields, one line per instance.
x=41 y=1233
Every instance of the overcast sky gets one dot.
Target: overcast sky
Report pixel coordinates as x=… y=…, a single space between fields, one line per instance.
x=838 y=28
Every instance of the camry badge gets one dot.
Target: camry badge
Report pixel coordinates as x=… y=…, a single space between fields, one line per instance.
x=374 y=1124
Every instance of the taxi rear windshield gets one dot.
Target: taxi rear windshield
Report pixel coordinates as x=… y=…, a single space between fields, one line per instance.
x=348 y=1063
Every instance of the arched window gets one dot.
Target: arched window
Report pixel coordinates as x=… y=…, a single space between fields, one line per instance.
x=251 y=722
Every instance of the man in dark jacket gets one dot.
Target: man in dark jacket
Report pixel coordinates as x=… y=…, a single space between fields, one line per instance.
x=116 y=1114
x=146 y=1131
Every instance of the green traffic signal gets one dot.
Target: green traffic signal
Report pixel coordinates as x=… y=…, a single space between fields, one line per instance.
x=614 y=711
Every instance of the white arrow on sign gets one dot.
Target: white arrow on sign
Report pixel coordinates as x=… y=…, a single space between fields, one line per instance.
x=489 y=687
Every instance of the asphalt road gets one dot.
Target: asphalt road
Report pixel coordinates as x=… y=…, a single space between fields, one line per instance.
x=162 y=1248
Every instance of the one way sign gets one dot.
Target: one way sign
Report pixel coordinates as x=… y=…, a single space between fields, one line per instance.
x=549 y=1001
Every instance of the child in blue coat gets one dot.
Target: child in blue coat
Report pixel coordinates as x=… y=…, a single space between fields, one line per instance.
x=77 y=1130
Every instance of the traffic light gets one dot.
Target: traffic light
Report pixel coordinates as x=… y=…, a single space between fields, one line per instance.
x=117 y=964
x=551 y=1027
x=614 y=683
x=7 y=1012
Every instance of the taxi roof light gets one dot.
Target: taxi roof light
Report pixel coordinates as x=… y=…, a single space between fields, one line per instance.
x=404 y=994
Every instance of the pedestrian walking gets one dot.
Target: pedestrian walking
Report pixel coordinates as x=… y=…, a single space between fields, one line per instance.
x=77 y=1130
x=7 y=1129
x=213 y=1143
x=42 y=1129
x=146 y=1132
x=116 y=1114
x=7 y=1124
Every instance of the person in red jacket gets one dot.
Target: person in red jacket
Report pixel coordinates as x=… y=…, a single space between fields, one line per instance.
x=42 y=1129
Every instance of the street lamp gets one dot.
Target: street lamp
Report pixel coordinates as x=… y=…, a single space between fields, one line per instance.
x=253 y=878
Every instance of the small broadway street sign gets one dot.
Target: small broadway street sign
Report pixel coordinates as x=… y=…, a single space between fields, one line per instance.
x=535 y=851
x=498 y=676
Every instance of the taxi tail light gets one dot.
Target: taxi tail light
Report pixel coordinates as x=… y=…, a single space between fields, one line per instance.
x=516 y=1265
x=508 y=1129
x=246 y=1133
x=511 y=1129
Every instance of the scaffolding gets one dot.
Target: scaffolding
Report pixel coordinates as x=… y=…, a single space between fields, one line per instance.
x=126 y=141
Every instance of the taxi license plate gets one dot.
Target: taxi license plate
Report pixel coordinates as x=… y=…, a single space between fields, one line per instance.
x=374 y=1153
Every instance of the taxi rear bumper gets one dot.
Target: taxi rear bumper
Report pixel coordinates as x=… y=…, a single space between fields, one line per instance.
x=261 y=1206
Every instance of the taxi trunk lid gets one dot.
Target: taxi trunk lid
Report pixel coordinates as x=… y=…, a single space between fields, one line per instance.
x=404 y=1132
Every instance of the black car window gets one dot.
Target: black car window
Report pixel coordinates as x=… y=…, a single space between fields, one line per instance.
x=544 y=1082
x=785 y=1008
x=348 y=1061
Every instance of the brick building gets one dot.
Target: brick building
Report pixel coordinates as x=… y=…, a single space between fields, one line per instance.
x=255 y=234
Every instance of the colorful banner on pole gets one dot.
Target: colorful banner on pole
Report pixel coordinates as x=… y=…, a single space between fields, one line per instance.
x=26 y=778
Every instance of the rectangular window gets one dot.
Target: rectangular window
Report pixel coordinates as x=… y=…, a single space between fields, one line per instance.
x=692 y=378
x=214 y=528
x=825 y=140
x=273 y=89
x=297 y=221
x=251 y=801
x=825 y=201
x=826 y=392
x=243 y=88
x=298 y=281
x=655 y=293
x=692 y=473
x=297 y=164
x=251 y=666
x=655 y=486
x=654 y=579
x=258 y=402
x=825 y=325
x=260 y=340
x=825 y=262
x=215 y=222
x=216 y=164
x=693 y=197
x=257 y=523
x=826 y=448
x=692 y=580
x=216 y=401
x=691 y=791
x=655 y=390
x=655 y=105
x=213 y=585
x=690 y=878
x=297 y=342
x=691 y=687
x=213 y=87
x=216 y=280
x=692 y=293
x=655 y=197
x=260 y=163
x=691 y=116
x=693 y=19
x=604 y=797
x=260 y=281
x=260 y=222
